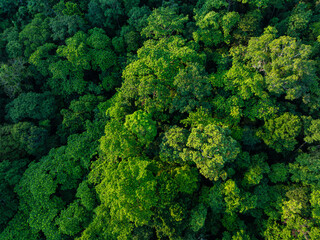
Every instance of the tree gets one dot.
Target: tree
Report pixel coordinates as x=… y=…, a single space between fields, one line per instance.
x=34 y=140
x=214 y=26
x=305 y=168
x=138 y=17
x=13 y=77
x=210 y=147
x=43 y=57
x=279 y=172
x=118 y=142
x=35 y=34
x=164 y=22
x=13 y=46
x=173 y=143
x=142 y=126
x=299 y=20
x=130 y=191
x=82 y=52
x=280 y=132
x=287 y=66
x=31 y=105
x=79 y=111
x=64 y=26
x=193 y=89
x=72 y=219
x=148 y=81
x=198 y=217
x=10 y=174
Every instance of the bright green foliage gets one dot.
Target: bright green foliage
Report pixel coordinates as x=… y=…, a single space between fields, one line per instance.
x=232 y=196
x=313 y=134
x=257 y=168
x=280 y=132
x=287 y=67
x=141 y=125
x=37 y=106
x=214 y=27
x=48 y=186
x=229 y=22
x=201 y=116
x=102 y=227
x=43 y=183
x=129 y=190
x=239 y=235
x=173 y=143
x=241 y=80
x=76 y=51
x=193 y=89
x=315 y=203
x=43 y=57
x=149 y=79
x=294 y=221
x=248 y=96
x=164 y=22
x=209 y=32
x=118 y=142
x=210 y=147
x=71 y=9
x=305 y=169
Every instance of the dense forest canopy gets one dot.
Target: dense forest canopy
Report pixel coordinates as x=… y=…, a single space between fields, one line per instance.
x=152 y=119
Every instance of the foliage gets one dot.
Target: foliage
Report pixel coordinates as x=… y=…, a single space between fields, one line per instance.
x=210 y=148
x=175 y=120
x=31 y=105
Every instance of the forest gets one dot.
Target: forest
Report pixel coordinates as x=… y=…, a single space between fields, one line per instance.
x=159 y=119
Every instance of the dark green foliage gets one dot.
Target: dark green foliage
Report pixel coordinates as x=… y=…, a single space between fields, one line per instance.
x=66 y=26
x=31 y=105
x=82 y=52
x=35 y=34
x=13 y=77
x=79 y=111
x=10 y=174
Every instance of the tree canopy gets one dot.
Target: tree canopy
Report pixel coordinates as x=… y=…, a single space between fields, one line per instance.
x=173 y=120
